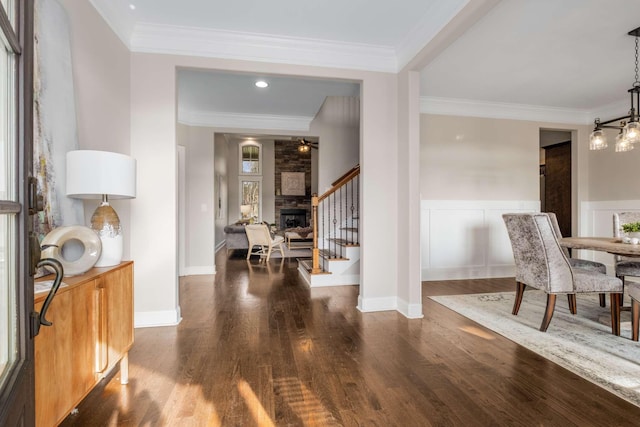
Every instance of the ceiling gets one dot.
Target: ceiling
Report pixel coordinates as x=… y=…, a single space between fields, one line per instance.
x=572 y=56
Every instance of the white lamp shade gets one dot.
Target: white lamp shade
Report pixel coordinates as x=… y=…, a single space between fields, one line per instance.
x=92 y=174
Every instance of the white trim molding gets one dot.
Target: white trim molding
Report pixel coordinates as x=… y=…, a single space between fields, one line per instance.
x=467 y=239
x=596 y=219
x=367 y=305
x=501 y=110
x=167 y=39
x=244 y=121
x=410 y=311
x=202 y=270
x=150 y=319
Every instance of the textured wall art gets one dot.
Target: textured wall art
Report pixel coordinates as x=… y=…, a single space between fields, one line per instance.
x=293 y=184
x=55 y=130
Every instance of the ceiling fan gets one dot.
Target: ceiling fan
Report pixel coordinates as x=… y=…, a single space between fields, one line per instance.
x=306 y=145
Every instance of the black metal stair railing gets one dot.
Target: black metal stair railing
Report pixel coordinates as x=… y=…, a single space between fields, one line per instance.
x=335 y=218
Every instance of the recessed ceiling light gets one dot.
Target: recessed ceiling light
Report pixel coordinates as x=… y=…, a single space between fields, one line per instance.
x=132 y=6
x=261 y=84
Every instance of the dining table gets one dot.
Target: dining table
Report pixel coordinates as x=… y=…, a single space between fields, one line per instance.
x=611 y=245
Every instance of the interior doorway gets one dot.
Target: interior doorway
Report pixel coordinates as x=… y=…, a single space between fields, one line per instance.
x=555 y=176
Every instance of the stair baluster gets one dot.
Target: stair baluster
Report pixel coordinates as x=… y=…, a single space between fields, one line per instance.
x=335 y=220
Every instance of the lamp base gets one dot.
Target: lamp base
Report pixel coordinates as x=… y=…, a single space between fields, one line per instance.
x=106 y=223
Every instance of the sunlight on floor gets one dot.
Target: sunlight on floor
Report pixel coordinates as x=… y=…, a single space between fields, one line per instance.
x=253 y=403
x=478 y=332
x=304 y=402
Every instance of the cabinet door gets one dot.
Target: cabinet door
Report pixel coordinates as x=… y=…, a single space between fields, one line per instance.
x=118 y=286
x=65 y=354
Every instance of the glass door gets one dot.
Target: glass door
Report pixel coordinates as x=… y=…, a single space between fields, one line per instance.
x=16 y=287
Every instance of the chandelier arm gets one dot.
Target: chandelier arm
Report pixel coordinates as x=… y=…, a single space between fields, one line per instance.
x=606 y=124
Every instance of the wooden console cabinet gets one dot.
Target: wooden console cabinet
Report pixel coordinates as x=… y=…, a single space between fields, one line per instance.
x=92 y=331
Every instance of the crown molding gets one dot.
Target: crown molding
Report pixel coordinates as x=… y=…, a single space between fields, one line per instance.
x=610 y=111
x=245 y=121
x=151 y=38
x=499 y=110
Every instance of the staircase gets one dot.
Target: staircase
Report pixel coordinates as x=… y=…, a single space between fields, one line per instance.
x=336 y=245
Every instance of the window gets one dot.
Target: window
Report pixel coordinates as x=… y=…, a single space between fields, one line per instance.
x=250 y=180
x=251 y=191
x=9 y=206
x=250 y=158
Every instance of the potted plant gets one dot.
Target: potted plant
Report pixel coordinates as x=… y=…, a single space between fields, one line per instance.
x=632 y=229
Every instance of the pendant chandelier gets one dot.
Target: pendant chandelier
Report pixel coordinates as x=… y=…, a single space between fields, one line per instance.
x=629 y=125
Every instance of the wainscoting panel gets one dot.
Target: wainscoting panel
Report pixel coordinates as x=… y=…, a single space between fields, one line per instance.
x=597 y=220
x=467 y=239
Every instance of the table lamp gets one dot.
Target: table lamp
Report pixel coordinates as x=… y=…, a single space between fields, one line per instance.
x=103 y=175
x=244 y=210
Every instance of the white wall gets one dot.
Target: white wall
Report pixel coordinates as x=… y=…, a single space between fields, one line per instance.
x=612 y=176
x=472 y=171
x=199 y=199
x=221 y=172
x=337 y=124
x=467 y=158
x=102 y=109
x=153 y=137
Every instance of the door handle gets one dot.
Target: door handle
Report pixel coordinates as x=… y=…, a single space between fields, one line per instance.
x=38 y=319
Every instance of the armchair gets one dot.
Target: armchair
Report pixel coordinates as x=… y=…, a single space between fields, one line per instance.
x=258 y=235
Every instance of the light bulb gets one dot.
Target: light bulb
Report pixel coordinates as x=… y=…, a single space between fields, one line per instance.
x=632 y=132
x=622 y=143
x=597 y=140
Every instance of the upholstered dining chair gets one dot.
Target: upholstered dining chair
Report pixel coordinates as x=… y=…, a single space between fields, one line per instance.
x=633 y=289
x=259 y=235
x=625 y=266
x=541 y=264
x=578 y=262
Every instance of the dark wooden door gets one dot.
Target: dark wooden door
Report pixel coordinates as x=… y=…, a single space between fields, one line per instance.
x=557 y=191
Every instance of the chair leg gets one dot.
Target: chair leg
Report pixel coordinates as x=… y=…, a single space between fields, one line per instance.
x=616 y=299
x=635 y=317
x=622 y=295
x=249 y=251
x=519 y=292
x=603 y=300
x=573 y=305
x=548 y=314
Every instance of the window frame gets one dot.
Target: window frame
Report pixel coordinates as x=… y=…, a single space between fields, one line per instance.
x=241 y=159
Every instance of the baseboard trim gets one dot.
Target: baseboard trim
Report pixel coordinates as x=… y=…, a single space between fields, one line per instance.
x=410 y=311
x=461 y=273
x=367 y=305
x=199 y=270
x=150 y=319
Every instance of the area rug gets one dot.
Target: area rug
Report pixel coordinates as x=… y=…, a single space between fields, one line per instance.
x=581 y=343
x=292 y=253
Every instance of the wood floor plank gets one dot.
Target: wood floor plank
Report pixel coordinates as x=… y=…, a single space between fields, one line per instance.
x=256 y=347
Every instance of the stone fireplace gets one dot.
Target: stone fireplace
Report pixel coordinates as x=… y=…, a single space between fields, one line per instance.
x=291 y=218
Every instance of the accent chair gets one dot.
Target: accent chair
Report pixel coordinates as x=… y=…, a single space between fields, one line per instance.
x=259 y=235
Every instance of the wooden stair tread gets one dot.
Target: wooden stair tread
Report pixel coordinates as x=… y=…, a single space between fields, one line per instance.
x=331 y=256
x=308 y=265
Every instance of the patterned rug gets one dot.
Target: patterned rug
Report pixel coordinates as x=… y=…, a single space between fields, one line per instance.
x=581 y=343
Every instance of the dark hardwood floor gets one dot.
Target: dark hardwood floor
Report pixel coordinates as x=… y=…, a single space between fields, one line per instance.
x=257 y=347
